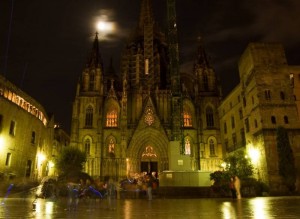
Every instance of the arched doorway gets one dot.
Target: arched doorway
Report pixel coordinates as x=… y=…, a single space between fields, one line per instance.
x=149 y=161
x=148 y=151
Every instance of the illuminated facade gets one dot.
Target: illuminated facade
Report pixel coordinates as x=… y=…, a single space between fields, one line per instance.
x=263 y=100
x=24 y=134
x=134 y=121
x=29 y=140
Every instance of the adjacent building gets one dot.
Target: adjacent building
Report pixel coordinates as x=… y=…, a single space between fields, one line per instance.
x=29 y=139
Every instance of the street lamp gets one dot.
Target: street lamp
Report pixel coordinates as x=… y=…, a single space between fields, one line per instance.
x=254 y=155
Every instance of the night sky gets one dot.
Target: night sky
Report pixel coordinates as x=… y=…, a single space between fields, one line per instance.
x=49 y=42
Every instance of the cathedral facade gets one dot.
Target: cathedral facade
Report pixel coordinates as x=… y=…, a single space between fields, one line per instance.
x=149 y=117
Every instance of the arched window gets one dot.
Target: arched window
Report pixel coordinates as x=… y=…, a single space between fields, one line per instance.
x=282 y=96
x=212 y=148
x=273 y=119
x=187 y=119
x=187 y=146
x=209 y=117
x=112 y=118
x=89 y=117
x=111 y=146
x=286 y=120
x=87 y=147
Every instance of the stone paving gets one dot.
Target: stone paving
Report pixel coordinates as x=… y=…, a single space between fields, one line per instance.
x=211 y=208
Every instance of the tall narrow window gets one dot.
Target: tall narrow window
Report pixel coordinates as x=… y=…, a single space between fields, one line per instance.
x=212 y=148
x=292 y=79
x=244 y=101
x=209 y=117
x=89 y=117
x=255 y=123
x=87 y=147
x=8 y=159
x=241 y=113
x=187 y=146
x=205 y=81
x=225 y=128
x=146 y=66
x=234 y=140
x=232 y=122
x=286 y=120
x=282 y=96
x=247 y=125
x=243 y=137
x=267 y=94
x=12 y=128
x=33 y=137
x=273 y=119
x=111 y=146
x=187 y=119
x=112 y=118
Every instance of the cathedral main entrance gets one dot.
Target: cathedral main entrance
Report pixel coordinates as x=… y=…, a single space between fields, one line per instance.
x=149 y=166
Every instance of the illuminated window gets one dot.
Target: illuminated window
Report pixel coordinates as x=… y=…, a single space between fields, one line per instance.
x=12 y=128
x=187 y=119
x=209 y=117
x=187 y=146
x=112 y=118
x=212 y=147
x=292 y=79
x=146 y=66
x=87 y=146
x=111 y=146
x=89 y=117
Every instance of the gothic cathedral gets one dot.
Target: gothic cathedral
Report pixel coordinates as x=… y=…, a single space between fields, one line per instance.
x=150 y=117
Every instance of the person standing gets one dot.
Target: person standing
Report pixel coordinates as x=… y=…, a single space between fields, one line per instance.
x=232 y=189
x=111 y=194
x=149 y=187
x=237 y=186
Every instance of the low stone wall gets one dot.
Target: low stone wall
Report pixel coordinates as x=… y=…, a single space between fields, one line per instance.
x=184 y=179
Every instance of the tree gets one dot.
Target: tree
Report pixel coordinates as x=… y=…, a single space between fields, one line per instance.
x=70 y=161
x=286 y=162
x=239 y=165
x=236 y=165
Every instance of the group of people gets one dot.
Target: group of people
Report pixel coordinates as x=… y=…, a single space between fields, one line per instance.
x=235 y=187
x=80 y=190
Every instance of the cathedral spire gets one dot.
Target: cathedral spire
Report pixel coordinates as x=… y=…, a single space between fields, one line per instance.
x=146 y=14
x=173 y=47
x=95 y=59
x=202 y=59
